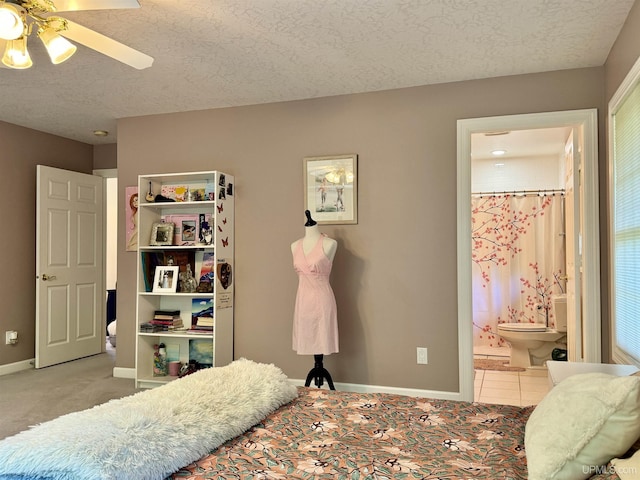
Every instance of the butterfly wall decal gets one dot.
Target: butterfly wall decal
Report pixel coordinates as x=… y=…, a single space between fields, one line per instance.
x=219 y=228
x=225 y=242
x=220 y=208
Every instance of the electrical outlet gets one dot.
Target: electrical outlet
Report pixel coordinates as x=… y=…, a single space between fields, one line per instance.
x=11 y=337
x=422 y=355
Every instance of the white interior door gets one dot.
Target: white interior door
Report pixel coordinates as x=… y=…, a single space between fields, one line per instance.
x=573 y=254
x=70 y=294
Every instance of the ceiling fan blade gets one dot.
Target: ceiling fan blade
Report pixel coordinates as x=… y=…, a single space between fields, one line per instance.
x=74 y=5
x=107 y=46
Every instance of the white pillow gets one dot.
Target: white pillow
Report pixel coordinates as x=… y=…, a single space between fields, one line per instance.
x=628 y=468
x=582 y=423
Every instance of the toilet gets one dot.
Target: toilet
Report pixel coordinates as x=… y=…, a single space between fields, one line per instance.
x=532 y=343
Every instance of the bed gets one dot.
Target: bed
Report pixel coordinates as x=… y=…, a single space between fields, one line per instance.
x=247 y=420
x=330 y=434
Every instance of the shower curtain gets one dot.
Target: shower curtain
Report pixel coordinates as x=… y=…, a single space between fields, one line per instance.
x=518 y=260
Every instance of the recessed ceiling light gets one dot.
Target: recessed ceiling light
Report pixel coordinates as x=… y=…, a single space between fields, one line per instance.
x=498 y=153
x=498 y=165
x=100 y=133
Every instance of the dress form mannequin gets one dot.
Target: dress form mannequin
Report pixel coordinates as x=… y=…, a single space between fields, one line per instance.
x=311 y=236
x=315 y=327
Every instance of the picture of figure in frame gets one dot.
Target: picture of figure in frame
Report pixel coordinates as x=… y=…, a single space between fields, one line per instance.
x=165 y=279
x=161 y=234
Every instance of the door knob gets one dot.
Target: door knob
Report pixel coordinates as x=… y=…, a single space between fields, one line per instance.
x=46 y=277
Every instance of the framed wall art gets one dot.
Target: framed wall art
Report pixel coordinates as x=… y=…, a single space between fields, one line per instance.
x=331 y=188
x=161 y=234
x=165 y=279
x=131 y=209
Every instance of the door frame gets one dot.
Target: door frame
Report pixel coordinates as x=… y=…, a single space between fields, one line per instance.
x=105 y=173
x=587 y=120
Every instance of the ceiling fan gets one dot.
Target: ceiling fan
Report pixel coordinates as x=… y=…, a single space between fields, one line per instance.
x=20 y=18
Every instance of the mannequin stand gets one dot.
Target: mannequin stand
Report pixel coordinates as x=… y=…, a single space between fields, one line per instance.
x=318 y=372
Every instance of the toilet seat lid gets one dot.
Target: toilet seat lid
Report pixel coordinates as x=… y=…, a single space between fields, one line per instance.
x=523 y=327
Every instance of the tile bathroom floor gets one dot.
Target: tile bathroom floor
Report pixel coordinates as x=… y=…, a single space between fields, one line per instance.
x=508 y=388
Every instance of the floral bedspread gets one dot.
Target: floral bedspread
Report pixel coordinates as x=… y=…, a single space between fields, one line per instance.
x=344 y=435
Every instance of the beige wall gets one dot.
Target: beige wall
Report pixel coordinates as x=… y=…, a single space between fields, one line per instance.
x=624 y=53
x=395 y=272
x=21 y=149
x=105 y=156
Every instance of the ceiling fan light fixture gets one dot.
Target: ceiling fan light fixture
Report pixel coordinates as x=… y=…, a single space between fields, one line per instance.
x=16 y=54
x=11 y=22
x=58 y=48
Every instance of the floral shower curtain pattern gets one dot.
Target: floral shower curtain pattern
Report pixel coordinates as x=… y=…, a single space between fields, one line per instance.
x=519 y=257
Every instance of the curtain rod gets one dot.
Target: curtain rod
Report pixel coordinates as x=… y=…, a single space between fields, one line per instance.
x=521 y=192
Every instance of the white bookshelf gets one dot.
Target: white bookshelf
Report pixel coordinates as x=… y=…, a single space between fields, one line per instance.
x=211 y=197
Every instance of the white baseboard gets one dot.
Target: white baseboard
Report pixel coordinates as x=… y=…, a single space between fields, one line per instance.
x=17 y=367
x=122 y=372
x=411 y=392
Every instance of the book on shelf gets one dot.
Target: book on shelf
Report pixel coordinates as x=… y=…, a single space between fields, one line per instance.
x=150 y=328
x=201 y=308
x=204 y=266
x=168 y=313
x=202 y=328
x=204 y=322
x=149 y=261
x=199 y=331
x=201 y=351
x=165 y=323
x=166 y=318
x=168 y=325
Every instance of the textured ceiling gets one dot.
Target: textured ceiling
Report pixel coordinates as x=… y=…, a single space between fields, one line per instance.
x=221 y=53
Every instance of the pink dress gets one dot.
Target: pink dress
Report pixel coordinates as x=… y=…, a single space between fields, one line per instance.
x=315 y=318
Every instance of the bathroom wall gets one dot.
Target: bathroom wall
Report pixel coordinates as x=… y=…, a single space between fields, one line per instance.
x=528 y=173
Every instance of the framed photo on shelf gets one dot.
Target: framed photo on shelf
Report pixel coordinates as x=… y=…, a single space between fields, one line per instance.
x=331 y=188
x=166 y=279
x=161 y=234
x=185 y=231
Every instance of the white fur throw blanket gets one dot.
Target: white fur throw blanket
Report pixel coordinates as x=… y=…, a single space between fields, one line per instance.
x=151 y=434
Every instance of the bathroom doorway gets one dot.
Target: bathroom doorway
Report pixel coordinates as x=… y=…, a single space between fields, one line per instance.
x=518 y=191
x=581 y=126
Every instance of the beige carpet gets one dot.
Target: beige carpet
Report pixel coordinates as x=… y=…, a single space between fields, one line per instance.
x=34 y=396
x=490 y=364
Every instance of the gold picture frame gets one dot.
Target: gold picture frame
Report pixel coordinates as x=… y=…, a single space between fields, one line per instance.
x=161 y=234
x=331 y=189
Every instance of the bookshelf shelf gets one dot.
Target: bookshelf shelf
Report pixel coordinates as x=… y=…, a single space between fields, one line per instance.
x=152 y=248
x=176 y=334
x=210 y=259
x=177 y=294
